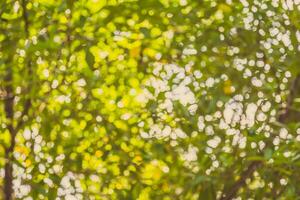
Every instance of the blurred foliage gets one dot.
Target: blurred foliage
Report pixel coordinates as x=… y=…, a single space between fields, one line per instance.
x=151 y=99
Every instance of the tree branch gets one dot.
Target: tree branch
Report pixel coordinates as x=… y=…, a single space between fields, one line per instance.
x=27 y=103
x=9 y=100
x=9 y=112
x=242 y=181
x=231 y=193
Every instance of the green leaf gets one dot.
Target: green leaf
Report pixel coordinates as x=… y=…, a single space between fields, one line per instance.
x=90 y=59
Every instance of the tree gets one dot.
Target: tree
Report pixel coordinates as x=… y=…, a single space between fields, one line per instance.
x=151 y=99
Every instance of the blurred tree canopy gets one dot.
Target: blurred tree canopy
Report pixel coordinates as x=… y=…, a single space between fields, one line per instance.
x=150 y=99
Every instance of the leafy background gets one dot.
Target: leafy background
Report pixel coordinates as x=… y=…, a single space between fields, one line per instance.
x=149 y=99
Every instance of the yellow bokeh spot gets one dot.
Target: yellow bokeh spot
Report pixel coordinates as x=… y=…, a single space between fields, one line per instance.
x=227 y=89
x=225 y=8
x=98 y=153
x=155 y=32
x=151 y=173
x=135 y=52
x=125 y=147
x=27 y=163
x=144 y=195
x=150 y=52
x=22 y=150
x=108 y=147
x=137 y=159
x=133 y=82
x=96 y=5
